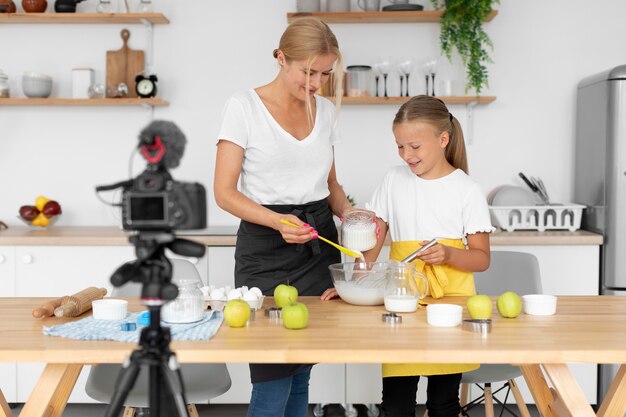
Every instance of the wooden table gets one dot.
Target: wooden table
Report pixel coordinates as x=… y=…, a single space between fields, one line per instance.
x=585 y=330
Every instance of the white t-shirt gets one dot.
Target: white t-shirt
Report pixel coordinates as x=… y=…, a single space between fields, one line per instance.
x=450 y=207
x=277 y=167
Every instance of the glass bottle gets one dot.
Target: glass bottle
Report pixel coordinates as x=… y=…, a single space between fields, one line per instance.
x=188 y=307
x=145 y=6
x=358 y=230
x=104 y=6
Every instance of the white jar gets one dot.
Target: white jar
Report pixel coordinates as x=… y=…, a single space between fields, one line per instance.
x=188 y=307
x=4 y=85
x=358 y=230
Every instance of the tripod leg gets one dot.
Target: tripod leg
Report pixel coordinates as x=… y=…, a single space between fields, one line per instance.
x=174 y=383
x=125 y=382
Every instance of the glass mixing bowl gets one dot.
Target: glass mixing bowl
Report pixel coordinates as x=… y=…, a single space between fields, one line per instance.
x=360 y=283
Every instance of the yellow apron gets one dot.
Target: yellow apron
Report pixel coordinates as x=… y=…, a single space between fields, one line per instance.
x=443 y=280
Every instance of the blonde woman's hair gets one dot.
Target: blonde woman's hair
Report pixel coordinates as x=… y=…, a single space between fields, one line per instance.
x=433 y=111
x=306 y=39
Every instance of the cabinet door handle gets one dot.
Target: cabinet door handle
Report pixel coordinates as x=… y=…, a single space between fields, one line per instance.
x=27 y=259
x=2 y=258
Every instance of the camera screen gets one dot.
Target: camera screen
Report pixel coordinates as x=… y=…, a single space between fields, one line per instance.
x=147 y=208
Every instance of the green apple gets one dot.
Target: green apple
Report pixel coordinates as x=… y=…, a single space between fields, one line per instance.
x=285 y=295
x=509 y=304
x=295 y=316
x=236 y=313
x=479 y=306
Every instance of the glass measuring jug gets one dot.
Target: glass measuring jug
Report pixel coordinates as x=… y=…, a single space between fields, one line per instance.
x=405 y=287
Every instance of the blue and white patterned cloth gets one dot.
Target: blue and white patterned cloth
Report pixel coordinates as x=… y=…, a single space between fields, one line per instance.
x=90 y=329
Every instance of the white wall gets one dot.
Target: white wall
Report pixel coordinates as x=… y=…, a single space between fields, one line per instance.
x=214 y=48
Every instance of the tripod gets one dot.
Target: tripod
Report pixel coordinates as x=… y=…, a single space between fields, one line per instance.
x=154 y=271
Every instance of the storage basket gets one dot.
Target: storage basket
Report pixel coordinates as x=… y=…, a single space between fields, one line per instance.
x=550 y=217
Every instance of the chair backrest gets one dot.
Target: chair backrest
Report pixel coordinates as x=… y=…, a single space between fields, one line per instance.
x=510 y=271
x=181 y=268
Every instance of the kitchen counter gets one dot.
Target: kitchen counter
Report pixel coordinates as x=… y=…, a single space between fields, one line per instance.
x=226 y=236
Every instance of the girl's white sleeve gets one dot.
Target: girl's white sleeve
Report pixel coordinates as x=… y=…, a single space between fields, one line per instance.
x=476 y=217
x=379 y=203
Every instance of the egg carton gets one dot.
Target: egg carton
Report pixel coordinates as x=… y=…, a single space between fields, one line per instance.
x=540 y=217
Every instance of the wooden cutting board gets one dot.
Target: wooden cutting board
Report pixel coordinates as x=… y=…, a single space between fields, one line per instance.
x=122 y=67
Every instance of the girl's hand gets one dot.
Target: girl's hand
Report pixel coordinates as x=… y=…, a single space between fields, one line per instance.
x=435 y=255
x=329 y=294
x=301 y=234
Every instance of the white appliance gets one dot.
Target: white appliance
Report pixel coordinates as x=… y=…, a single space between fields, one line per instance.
x=600 y=179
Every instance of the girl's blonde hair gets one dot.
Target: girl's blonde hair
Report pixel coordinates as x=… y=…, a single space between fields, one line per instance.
x=432 y=110
x=306 y=39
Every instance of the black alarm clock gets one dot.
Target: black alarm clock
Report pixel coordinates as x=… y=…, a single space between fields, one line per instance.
x=145 y=86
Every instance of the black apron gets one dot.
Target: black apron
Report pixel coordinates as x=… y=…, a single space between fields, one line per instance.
x=263 y=259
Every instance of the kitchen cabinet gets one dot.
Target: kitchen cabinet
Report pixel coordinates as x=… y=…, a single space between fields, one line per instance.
x=426 y=16
x=147 y=19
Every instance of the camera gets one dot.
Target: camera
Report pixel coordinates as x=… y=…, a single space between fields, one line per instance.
x=155 y=201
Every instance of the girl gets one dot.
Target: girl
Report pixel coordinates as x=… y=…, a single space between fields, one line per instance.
x=278 y=139
x=431 y=197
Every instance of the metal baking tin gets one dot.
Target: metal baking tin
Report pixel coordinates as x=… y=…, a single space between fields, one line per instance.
x=392 y=318
x=482 y=326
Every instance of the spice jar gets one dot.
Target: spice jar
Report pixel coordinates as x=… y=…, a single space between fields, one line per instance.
x=188 y=306
x=4 y=85
x=358 y=230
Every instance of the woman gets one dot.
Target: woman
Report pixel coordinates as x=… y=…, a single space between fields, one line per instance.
x=278 y=140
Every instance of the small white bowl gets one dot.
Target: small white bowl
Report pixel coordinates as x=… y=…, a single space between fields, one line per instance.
x=444 y=315
x=539 y=304
x=36 y=87
x=109 y=309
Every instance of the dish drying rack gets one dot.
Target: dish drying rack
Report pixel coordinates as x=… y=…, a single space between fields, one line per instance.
x=539 y=217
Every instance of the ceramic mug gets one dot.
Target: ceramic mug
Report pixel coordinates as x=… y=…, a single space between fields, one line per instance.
x=337 y=5
x=369 y=5
x=307 y=6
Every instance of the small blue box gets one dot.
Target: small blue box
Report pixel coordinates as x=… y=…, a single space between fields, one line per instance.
x=128 y=327
x=144 y=319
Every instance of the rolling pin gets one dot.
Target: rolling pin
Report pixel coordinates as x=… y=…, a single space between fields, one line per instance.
x=47 y=309
x=77 y=304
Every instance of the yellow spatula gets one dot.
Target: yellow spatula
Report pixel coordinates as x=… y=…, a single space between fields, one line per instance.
x=349 y=252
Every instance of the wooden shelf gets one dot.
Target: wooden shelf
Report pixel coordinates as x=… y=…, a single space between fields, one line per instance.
x=428 y=16
x=91 y=102
x=402 y=100
x=82 y=18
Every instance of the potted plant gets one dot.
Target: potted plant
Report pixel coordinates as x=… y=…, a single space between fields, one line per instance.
x=461 y=28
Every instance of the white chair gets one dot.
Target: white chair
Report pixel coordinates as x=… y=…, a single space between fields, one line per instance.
x=201 y=381
x=509 y=271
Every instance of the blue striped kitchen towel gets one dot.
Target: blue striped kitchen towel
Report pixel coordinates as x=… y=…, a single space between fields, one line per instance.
x=90 y=329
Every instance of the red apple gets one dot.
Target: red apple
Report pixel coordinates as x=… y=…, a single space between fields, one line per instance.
x=51 y=208
x=29 y=213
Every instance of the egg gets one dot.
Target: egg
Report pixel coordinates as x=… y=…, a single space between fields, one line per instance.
x=234 y=294
x=250 y=296
x=256 y=291
x=243 y=289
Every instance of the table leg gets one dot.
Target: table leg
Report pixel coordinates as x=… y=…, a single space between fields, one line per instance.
x=569 y=392
x=53 y=388
x=539 y=389
x=614 y=403
x=5 y=410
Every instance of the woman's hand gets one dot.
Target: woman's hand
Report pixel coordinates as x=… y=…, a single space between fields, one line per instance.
x=301 y=234
x=329 y=294
x=435 y=255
